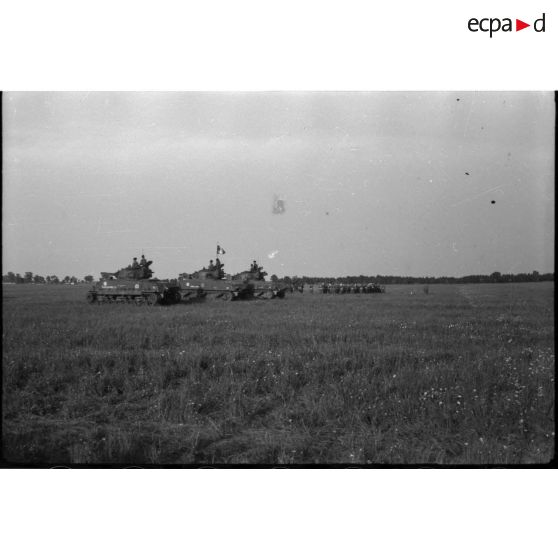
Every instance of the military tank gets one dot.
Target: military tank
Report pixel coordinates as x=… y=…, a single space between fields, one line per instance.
x=261 y=288
x=134 y=284
x=214 y=282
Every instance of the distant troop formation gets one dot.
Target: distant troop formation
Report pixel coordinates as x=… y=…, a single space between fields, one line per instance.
x=351 y=288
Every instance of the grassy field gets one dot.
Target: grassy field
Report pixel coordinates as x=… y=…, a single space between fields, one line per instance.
x=464 y=375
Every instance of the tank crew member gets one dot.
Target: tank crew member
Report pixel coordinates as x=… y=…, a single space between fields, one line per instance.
x=254 y=267
x=219 y=268
x=135 y=264
x=211 y=266
x=143 y=261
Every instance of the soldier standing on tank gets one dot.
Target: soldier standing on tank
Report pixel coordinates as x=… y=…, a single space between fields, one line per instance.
x=135 y=267
x=211 y=266
x=219 y=267
x=143 y=261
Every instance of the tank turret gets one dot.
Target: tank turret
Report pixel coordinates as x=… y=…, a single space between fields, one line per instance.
x=255 y=277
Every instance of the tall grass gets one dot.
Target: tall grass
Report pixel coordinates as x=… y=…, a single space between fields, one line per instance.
x=464 y=375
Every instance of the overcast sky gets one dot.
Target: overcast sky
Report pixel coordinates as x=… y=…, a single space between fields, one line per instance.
x=371 y=183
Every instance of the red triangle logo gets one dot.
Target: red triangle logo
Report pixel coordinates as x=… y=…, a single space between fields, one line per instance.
x=519 y=25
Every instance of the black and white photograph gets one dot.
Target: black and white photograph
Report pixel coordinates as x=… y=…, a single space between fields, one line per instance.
x=278 y=278
x=281 y=278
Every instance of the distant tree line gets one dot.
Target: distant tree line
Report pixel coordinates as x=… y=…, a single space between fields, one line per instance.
x=29 y=277
x=495 y=277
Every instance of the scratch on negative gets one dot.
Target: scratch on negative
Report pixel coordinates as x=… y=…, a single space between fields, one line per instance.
x=477 y=196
